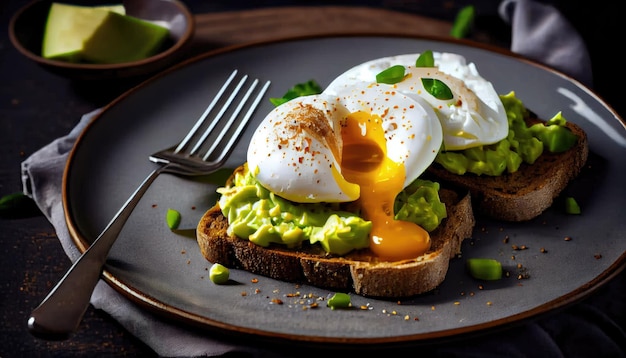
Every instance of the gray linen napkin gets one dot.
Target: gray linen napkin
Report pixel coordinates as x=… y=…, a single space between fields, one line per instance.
x=540 y=33
x=42 y=175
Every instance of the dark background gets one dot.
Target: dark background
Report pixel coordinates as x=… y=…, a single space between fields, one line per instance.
x=31 y=258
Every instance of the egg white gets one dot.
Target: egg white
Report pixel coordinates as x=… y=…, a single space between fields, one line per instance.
x=293 y=162
x=412 y=130
x=296 y=152
x=477 y=119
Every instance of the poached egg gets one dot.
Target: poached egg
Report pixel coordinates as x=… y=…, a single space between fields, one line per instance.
x=364 y=142
x=474 y=116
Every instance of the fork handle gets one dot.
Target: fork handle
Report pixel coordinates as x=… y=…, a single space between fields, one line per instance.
x=60 y=313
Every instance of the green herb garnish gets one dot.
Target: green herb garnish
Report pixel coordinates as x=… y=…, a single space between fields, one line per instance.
x=437 y=88
x=425 y=59
x=301 y=89
x=393 y=74
x=463 y=22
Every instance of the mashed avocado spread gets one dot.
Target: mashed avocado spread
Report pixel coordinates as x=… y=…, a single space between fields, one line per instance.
x=256 y=214
x=524 y=144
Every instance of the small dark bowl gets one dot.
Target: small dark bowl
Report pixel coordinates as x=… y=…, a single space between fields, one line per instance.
x=26 y=30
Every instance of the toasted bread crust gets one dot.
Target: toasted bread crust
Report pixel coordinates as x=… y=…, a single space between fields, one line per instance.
x=525 y=194
x=358 y=271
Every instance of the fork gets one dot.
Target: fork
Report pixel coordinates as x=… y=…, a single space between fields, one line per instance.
x=60 y=313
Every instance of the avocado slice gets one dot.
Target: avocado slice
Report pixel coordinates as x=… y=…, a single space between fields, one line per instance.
x=99 y=34
x=68 y=26
x=123 y=38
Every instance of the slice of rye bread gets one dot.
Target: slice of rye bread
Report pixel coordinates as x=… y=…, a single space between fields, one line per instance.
x=526 y=193
x=359 y=271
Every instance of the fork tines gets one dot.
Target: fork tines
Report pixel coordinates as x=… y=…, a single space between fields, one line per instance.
x=227 y=118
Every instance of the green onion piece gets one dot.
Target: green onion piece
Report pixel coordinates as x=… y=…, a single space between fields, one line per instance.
x=484 y=269
x=463 y=22
x=339 y=300
x=437 y=88
x=425 y=59
x=571 y=206
x=219 y=274
x=173 y=219
x=393 y=74
x=18 y=205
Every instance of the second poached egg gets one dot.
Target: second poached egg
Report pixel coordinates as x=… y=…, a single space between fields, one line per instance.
x=474 y=116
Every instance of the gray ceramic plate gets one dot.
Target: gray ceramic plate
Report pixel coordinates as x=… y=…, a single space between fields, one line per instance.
x=166 y=273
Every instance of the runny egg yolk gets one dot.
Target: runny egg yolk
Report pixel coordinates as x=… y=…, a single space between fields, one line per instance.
x=365 y=162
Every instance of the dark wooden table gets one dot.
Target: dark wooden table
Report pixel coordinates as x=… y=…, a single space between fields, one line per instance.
x=36 y=107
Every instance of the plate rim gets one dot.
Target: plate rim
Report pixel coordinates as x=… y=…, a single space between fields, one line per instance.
x=226 y=330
